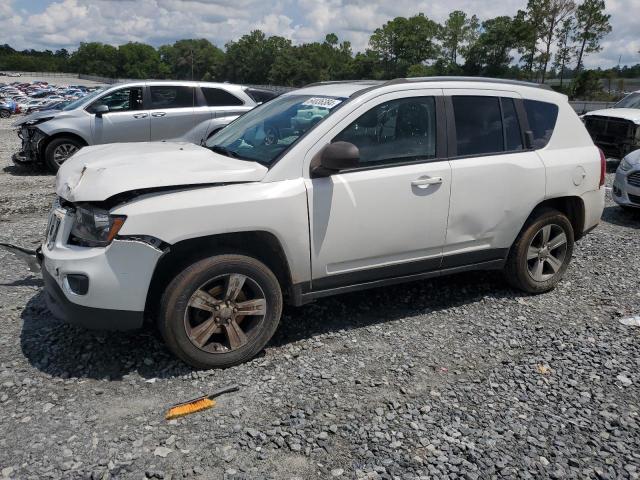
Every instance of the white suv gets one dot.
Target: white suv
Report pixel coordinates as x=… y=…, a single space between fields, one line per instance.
x=328 y=189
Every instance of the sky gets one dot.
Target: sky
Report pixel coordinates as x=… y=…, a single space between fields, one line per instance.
x=55 y=24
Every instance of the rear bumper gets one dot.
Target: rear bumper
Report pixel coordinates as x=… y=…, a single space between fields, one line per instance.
x=593 y=207
x=87 y=317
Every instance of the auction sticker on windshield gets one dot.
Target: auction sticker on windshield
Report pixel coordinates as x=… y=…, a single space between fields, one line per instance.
x=322 y=102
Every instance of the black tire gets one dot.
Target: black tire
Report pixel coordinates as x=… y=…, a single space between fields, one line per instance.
x=521 y=272
x=175 y=310
x=5 y=113
x=632 y=210
x=50 y=151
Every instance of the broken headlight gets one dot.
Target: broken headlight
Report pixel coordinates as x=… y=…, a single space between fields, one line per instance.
x=94 y=227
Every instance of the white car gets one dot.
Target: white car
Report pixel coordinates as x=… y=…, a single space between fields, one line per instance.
x=395 y=181
x=626 y=185
x=616 y=130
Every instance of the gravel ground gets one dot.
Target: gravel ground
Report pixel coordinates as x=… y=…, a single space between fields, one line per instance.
x=450 y=378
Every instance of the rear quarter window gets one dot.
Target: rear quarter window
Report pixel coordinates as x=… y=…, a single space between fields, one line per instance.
x=217 y=97
x=542 y=118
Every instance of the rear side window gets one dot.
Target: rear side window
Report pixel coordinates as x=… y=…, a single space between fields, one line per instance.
x=542 y=118
x=216 y=97
x=478 y=125
x=260 y=96
x=171 y=96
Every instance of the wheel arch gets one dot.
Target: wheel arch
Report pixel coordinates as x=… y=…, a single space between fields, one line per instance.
x=261 y=245
x=43 y=145
x=572 y=206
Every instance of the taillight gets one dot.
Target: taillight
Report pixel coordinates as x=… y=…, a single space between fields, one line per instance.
x=603 y=167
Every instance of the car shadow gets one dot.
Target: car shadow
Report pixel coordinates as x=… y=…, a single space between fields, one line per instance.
x=26 y=171
x=612 y=165
x=65 y=351
x=618 y=216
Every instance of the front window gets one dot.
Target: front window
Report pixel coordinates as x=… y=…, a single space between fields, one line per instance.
x=122 y=100
x=266 y=132
x=83 y=100
x=630 y=101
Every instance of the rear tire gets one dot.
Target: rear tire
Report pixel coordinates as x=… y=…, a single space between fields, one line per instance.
x=541 y=254
x=59 y=150
x=5 y=113
x=201 y=313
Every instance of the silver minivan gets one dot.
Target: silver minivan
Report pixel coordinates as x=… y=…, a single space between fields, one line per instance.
x=144 y=111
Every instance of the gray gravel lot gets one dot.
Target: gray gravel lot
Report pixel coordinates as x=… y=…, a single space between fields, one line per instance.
x=459 y=377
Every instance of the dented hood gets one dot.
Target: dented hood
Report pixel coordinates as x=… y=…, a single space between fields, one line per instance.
x=632 y=114
x=99 y=172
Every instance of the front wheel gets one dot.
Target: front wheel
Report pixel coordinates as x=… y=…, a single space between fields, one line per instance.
x=59 y=150
x=541 y=254
x=5 y=113
x=220 y=311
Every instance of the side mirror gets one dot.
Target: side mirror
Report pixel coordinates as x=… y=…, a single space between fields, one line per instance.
x=99 y=110
x=335 y=157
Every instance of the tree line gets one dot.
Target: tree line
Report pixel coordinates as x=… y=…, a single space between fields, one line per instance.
x=548 y=39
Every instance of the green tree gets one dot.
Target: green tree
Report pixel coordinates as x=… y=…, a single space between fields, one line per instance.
x=530 y=27
x=458 y=32
x=312 y=62
x=565 y=49
x=139 y=60
x=95 y=58
x=249 y=60
x=558 y=12
x=193 y=59
x=592 y=24
x=403 y=42
x=490 y=55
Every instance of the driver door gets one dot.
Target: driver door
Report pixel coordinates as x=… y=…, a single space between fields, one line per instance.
x=126 y=120
x=388 y=217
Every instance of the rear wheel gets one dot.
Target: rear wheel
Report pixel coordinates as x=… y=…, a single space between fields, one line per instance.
x=220 y=311
x=541 y=254
x=5 y=113
x=59 y=150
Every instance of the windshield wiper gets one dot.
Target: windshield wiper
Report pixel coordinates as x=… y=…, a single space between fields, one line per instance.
x=224 y=151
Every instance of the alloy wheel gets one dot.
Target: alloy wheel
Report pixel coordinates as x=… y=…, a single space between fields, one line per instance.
x=225 y=313
x=63 y=151
x=546 y=252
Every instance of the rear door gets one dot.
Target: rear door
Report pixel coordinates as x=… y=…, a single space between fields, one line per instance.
x=126 y=121
x=171 y=110
x=495 y=180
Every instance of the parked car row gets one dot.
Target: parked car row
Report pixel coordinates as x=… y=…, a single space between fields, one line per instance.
x=134 y=112
x=20 y=97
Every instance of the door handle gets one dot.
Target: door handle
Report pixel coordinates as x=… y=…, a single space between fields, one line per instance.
x=424 y=182
x=158 y=114
x=140 y=115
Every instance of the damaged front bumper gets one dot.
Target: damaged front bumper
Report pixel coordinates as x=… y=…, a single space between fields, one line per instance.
x=31 y=149
x=616 y=137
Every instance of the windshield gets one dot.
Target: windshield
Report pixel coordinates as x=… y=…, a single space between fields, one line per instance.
x=264 y=133
x=81 y=101
x=630 y=101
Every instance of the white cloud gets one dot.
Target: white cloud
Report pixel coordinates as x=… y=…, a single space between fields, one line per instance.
x=66 y=23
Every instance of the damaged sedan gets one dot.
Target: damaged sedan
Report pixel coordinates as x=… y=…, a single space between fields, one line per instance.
x=133 y=112
x=616 y=130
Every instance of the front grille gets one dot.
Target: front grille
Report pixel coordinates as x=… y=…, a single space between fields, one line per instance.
x=609 y=127
x=634 y=198
x=634 y=179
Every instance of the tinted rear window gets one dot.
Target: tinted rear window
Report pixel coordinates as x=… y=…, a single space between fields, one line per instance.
x=478 y=125
x=260 y=96
x=171 y=96
x=216 y=97
x=542 y=118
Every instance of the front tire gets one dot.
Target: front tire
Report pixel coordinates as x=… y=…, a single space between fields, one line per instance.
x=59 y=150
x=220 y=311
x=541 y=254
